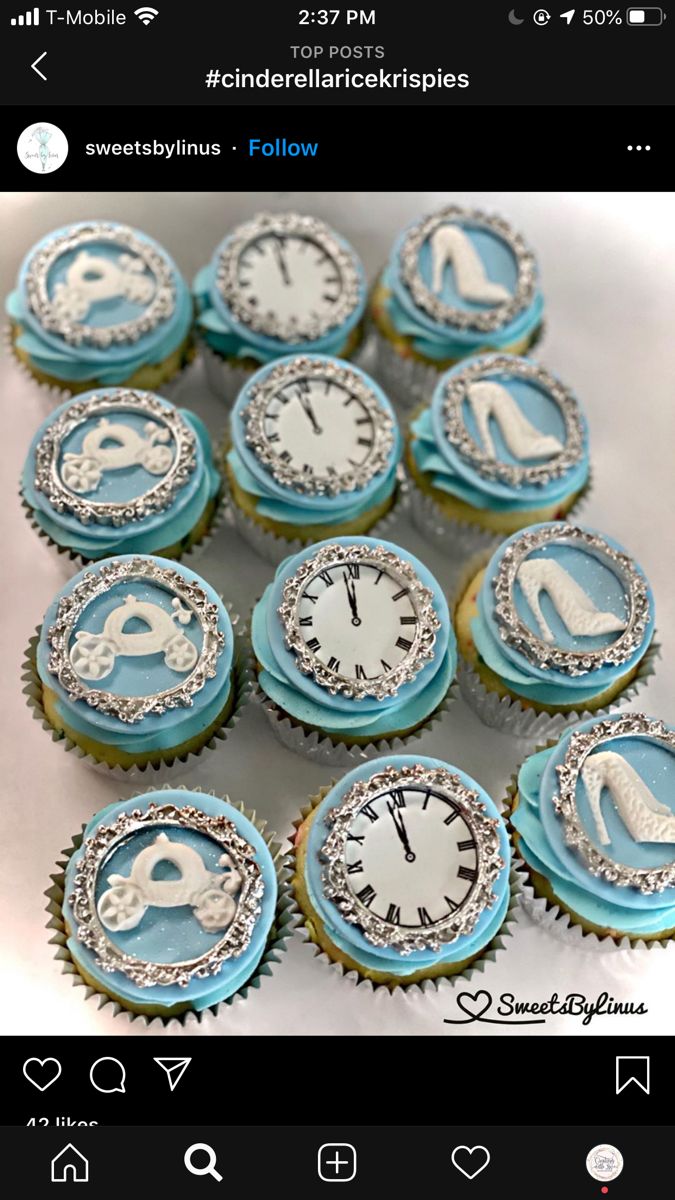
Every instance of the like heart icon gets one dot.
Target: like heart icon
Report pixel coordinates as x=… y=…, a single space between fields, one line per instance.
x=42 y=1072
x=474 y=1159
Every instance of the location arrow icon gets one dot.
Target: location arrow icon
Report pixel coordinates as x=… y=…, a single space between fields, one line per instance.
x=175 y=1069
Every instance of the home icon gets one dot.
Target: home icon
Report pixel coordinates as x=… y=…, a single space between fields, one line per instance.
x=69 y=1166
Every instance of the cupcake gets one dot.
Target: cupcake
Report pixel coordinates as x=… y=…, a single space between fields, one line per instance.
x=135 y=663
x=402 y=871
x=314 y=453
x=98 y=304
x=168 y=903
x=594 y=820
x=121 y=472
x=278 y=284
x=559 y=622
x=353 y=644
x=503 y=444
x=457 y=283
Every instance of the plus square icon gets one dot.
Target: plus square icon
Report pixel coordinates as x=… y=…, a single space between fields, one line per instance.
x=337 y=1162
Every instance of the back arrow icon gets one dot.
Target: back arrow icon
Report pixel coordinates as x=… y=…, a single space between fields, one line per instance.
x=34 y=65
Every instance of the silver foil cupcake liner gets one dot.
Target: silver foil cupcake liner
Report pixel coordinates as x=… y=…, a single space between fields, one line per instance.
x=510 y=716
x=54 y=394
x=224 y=377
x=285 y=921
x=170 y=767
x=327 y=749
x=275 y=549
x=556 y=920
x=407 y=381
x=459 y=539
x=355 y=979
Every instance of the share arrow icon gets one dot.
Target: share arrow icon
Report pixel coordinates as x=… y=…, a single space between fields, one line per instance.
x=175 y=1069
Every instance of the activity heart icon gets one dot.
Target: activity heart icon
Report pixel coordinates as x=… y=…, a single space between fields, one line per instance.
x=474 y=1004
x=470 y=1160
x=42 y=1072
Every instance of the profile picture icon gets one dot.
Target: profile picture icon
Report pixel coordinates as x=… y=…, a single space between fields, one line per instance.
x=42 y=147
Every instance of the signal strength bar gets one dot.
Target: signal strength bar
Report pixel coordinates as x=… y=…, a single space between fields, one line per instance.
x=31 y=18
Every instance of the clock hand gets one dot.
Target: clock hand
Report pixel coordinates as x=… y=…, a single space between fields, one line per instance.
x=400 y=828
x=307 y=405
x=283 y=265
x=351 y=595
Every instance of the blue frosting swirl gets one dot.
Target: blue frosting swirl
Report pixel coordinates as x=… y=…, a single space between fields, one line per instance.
x=348 y=937
x=232 y=339
x=117 y=363
x=436 y=340
x=286 y=504
x=307 y=702
x=155 y=531
x=542 y=837
x=154 y=731
x=436 y=457
x=551 y=686
x=176 y=936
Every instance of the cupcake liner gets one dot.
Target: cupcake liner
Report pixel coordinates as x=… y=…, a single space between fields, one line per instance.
x=552 y=917
x=242 y=684
x=72 y=562
x=54 y=394
x=477 y=967
x=286 y=919
x=407 y=381
x=275 y=549
x=510 y=716
x=223 y=376
x=462 y=538
x=455 y=538
x=323 y=748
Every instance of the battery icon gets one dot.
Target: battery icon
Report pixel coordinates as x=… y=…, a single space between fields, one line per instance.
x=645 y=16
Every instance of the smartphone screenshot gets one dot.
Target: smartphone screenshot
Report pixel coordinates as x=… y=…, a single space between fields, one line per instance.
x=337 y=836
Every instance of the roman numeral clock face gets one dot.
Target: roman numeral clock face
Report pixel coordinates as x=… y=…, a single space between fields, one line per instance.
x=411 y=857
x=318 y=426
x=288 y=276
x=359 y=619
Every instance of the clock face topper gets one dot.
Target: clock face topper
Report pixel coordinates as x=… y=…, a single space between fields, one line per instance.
x=318 y=427
x=164 y=450
x=478 y=387
x=133 y=272
x=574 y=607
x=433 y=232
x=590 y=763
x=412 y=858
x=226 y=901
x=359 y=620
x=287 y=276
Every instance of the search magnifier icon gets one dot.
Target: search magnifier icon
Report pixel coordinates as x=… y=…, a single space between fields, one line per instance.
x=201 y=1148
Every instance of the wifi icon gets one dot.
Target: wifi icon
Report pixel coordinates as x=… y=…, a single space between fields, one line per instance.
x=146 y=14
